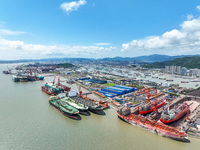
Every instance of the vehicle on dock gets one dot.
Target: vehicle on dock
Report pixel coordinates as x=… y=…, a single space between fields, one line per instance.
x=174 y=114
x=152 y=126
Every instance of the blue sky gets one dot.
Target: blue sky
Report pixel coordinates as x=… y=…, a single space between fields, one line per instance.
x=98 y=28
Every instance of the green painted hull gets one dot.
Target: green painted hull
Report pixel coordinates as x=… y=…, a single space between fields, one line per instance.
x=74 y=104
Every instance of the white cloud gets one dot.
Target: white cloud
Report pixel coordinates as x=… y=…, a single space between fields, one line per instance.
x=21 y=50
x=189 y=17
x=72 y=6
x=198 y=7
x=186 y=40
x=10 y=32
x=102 y=44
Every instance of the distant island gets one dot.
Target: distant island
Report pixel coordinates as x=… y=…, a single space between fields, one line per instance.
x=59 y=65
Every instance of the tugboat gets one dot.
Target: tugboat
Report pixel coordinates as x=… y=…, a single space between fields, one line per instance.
x=174 y=114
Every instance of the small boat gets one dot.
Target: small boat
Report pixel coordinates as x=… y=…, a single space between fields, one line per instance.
x=40 y=77
x=184 y=81
x=169 y=80
x=162 y=78
x=174 y=114
x=195 y=80
x=6 y=72
x=154 y=77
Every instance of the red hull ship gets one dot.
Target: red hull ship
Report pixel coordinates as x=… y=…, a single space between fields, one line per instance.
x=184 y=81
x=54 y=89
x=152 y=126
x=48 y=90
x=148 y=107
x=174 y=114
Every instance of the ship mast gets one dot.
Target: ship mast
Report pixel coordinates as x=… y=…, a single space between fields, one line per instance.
x=58 y=80
x=54 y=79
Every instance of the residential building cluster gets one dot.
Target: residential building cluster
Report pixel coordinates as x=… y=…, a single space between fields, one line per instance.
x=182 y=70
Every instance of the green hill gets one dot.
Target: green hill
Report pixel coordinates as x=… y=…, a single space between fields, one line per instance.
x=188 y=62
x=65 y=65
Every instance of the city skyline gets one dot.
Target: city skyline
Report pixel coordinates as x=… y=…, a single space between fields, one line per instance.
x=95 y=29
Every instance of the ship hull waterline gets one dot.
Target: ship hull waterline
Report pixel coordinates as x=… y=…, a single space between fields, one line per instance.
x=148 y=111
x=152 y=129
x=76 y=117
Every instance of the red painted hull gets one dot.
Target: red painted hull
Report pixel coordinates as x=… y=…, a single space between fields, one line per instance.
x=152 y=109
x=155 y=127
x=50 y=93
x=66 y=88
x=179 y=116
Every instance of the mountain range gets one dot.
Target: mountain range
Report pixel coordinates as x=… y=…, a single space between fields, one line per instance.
x=147 y=59
x=188 y=62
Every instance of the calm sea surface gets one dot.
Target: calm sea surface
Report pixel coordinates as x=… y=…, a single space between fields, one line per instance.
x=27 y=122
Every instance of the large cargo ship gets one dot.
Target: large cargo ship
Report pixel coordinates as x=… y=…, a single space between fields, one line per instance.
x=63 y=106
x=71 y=102
x=152 y=126
x=148 y=107
x=92 y=106
x=48 y=90
x=53 y=89
x=174 y=114
x=101 y=103
x=19 y=78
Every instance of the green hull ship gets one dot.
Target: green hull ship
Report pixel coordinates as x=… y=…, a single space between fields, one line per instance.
x=63 y=106
x=76 y=105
